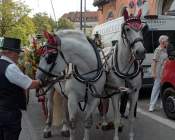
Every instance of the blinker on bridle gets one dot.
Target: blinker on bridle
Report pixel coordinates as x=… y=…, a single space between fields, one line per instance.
x=52 y=53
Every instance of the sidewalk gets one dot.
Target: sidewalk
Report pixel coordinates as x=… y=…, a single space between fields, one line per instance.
x=28 y=132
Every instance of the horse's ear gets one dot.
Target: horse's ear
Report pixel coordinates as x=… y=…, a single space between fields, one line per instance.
x=125 y=14
x=50 y=38
x=139 y=13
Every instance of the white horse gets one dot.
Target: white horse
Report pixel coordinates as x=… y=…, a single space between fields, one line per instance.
x=125 y=65
x=74 y=48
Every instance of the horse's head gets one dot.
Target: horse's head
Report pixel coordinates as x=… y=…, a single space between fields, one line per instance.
x=52 y=61
x=132 y=30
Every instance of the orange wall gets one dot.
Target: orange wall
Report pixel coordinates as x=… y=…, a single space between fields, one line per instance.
x=152 y=7
x=117 y=7
x=105 y=10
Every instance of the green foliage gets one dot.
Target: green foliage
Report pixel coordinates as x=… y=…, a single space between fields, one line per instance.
x=23 y=29
x=43 y=22
x=11 y=13
x=65 y=23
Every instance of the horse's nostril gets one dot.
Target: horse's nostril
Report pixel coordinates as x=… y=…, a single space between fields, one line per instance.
x=137 y=52
x=140 y=52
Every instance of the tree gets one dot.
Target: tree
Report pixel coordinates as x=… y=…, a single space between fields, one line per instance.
x=64 y=23
x=10 y=14
x=23 y=29
x=43 y=22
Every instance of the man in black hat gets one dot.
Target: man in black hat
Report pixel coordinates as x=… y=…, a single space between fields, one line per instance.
x=13 y=83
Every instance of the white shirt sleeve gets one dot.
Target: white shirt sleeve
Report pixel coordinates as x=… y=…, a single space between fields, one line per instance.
x=16 y=76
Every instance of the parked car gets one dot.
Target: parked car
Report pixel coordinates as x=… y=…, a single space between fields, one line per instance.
x=168 y=85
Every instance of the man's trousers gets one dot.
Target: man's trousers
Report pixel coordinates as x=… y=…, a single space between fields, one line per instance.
x=10 y=124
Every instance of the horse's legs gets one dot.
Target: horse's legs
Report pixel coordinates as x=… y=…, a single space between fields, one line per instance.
x=65 y=128
x=115 y=104
x=88 y=124
x=103 y=110
x=133 y=97
x=48 y=123
x=72 y=108
x=88 y=119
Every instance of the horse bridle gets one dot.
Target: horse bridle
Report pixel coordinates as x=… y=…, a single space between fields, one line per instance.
x=137 y=63
x=124 y=37
x=51 y=59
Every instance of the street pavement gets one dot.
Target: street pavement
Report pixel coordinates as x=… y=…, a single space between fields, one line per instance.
x=148 y=126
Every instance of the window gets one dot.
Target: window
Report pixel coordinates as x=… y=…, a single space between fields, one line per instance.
x=110 y=16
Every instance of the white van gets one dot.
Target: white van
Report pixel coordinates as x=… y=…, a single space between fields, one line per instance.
x=158 y=25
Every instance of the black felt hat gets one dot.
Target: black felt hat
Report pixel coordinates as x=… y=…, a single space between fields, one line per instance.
x=12 y=44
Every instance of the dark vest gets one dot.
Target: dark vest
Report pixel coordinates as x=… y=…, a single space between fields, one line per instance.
x=12 y=97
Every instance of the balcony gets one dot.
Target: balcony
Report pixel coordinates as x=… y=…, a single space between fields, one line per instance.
x=101 y=2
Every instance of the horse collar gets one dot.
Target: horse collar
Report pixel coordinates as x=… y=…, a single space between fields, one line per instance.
x=98 y=71
x=120 y=74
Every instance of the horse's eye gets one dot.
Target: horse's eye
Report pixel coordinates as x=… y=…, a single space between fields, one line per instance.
x=51 y=58
x=127 y=29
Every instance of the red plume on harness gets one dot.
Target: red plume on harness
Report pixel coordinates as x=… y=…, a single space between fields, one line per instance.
x=125 y=14
x=43 y=51
x=139 y=13
x=133 y=21
x=51 y=40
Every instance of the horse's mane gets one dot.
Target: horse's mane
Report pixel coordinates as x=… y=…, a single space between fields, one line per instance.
x=70 y=33
x=73 y=37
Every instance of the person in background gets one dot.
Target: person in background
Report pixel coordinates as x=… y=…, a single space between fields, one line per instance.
x=13 y=84
x=97 y=40
x=160 y=55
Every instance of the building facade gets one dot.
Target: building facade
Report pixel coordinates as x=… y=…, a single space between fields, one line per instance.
x=111 y=9
x=89 y=20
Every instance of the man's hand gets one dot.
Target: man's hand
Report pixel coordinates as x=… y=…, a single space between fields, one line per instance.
x=43 y=83
x=37 y=84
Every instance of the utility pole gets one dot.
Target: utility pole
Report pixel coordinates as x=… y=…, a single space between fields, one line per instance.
x=84 y=16
x=54 y=13
x=81 y=14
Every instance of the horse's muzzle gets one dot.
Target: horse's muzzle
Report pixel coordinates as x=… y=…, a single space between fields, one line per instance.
x=140 y=54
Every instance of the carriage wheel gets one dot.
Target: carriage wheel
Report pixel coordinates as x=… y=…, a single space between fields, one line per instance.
x=168 y=100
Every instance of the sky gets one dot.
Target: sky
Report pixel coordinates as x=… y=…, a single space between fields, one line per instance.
x=60 y=6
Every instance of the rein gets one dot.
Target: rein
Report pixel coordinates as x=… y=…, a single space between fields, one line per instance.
x=49 y=74
x=88 y=81
x=52 y=82
x=99 y=69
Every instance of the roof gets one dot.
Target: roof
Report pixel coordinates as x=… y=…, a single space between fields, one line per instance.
x=91 y=16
